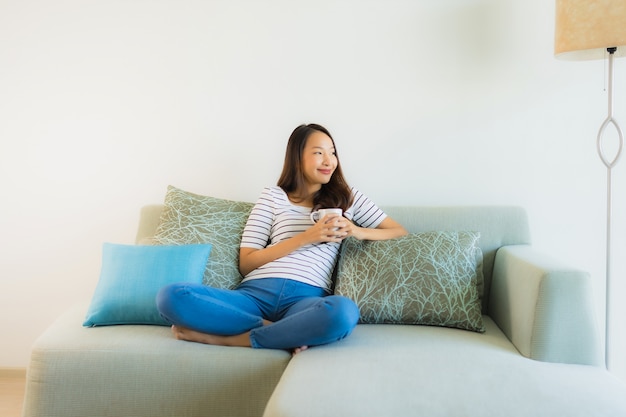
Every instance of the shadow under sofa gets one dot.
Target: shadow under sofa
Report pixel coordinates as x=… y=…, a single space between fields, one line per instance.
x=540 y=355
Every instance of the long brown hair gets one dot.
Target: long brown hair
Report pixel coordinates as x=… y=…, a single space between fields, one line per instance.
x=336 y=193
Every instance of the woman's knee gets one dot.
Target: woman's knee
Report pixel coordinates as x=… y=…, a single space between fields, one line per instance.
x=343 y=313
x=168 y=299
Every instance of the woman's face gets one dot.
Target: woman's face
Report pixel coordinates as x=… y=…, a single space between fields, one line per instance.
x=319 y=160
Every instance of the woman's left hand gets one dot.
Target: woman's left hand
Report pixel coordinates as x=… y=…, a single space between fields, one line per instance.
x=344 y=228
x=387 y=229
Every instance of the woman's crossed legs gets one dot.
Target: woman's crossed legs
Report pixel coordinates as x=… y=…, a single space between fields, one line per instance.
x=263 y=313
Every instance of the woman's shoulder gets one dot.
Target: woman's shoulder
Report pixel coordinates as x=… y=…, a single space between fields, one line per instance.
x=274 y=193
x=356 y=194
x=360 y=200
x=275 y=190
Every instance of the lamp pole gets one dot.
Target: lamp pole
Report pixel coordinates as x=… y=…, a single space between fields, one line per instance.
x=609 y=163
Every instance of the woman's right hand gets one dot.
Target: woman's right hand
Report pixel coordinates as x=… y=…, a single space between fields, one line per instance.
x=330 y=228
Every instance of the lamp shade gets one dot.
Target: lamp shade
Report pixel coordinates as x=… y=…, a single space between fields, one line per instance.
x=586 y=28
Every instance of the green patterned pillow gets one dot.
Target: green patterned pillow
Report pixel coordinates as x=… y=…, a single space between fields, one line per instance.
x=191 y=218
x=427 y=278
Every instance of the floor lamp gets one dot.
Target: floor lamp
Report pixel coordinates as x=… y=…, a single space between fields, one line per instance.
x=596 y=29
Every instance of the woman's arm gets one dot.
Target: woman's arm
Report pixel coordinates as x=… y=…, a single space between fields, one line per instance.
x=251 y=258
x=329 y=229
x=387 y=229
x=323 y=231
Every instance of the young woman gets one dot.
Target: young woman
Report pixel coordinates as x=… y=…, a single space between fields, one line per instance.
x=284 y=300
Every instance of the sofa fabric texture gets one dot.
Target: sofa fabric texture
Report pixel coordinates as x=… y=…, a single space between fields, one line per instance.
x=539 y=354
x=439 y=372
x=139 y=370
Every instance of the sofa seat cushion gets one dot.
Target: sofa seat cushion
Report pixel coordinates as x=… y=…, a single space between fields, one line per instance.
x=399 y=370
x=140 y=370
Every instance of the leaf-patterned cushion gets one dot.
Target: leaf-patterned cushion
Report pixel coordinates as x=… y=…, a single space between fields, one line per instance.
x=426 y=278
x=189 y=218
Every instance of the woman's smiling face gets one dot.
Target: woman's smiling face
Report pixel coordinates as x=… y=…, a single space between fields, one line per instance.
x=319 y=160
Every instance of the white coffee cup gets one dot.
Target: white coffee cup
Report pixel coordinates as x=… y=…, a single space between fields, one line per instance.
x=317 y=215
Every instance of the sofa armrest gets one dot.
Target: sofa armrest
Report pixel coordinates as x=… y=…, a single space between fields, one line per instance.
x=544 y=308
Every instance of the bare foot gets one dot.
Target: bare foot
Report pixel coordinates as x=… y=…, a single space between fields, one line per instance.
x=299 y=350
x=183 y=333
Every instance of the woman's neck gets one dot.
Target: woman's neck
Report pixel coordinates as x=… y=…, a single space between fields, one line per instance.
x=301 y=199
x=304 y=198
x=303 y=202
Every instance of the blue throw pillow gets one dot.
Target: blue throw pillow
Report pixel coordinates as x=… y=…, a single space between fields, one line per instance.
x=131 y=277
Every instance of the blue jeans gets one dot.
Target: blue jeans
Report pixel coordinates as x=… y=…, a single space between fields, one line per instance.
x=302 y=314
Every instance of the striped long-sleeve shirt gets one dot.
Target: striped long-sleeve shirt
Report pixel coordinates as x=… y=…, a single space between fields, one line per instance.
x=274 y=218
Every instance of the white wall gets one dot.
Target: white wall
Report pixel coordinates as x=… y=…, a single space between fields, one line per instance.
x=105 y=103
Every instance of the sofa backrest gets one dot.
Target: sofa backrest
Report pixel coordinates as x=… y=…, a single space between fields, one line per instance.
x=149 y=219
x=498 y=226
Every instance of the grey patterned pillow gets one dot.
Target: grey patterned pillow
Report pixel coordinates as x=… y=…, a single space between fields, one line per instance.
x=191 y=218
x=427 y=278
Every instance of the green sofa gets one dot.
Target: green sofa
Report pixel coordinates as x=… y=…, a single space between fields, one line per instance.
x=540 y=353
